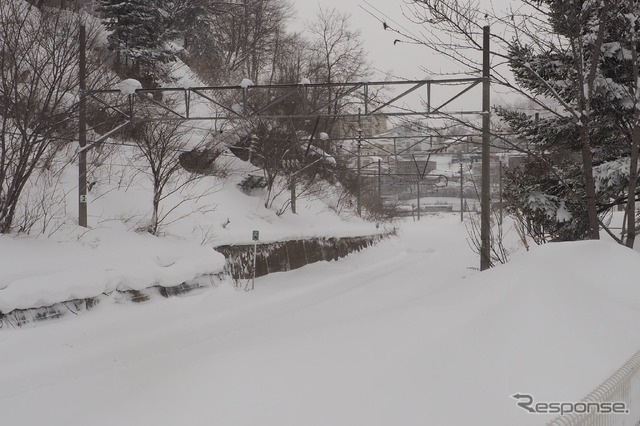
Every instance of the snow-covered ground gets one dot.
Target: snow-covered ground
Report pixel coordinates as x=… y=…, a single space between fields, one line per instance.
x=68 y=262
x=42 y=272
x=406 y=333
x=60 y=261
x=213 y=211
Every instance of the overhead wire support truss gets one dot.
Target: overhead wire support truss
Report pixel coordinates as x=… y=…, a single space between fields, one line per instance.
x=248 y=102
x=259 y=101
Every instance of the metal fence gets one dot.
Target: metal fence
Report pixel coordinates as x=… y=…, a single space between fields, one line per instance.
x=621 y=386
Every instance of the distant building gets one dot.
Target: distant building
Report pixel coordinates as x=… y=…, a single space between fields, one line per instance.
x=405 y=139
x=348 y=127
x=415 y=166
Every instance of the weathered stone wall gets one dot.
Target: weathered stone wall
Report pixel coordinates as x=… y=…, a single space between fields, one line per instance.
x=287 y=255
x=272 y=257
x=21 y=317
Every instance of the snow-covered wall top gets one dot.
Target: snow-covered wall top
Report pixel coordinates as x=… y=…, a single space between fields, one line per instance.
x=41 y=272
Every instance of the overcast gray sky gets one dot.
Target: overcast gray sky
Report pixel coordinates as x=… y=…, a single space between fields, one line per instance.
x=402 y=61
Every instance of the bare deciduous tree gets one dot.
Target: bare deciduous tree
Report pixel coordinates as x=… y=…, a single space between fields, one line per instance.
x=249 y=35
x=338 y=56
x=38 y=92
x=161 y=143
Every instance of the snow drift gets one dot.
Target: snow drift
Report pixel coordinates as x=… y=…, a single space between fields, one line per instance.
x=393 y=335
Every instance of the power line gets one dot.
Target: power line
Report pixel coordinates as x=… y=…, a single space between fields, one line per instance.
x=416 y=38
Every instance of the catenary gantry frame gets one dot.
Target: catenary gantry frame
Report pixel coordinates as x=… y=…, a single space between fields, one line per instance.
x=248 y=102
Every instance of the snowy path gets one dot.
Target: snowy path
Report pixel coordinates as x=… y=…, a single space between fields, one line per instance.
x=390 y=336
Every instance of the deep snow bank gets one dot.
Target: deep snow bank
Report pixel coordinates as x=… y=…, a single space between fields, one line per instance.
x=393 y=335
x=553 y=323
x=38 y=272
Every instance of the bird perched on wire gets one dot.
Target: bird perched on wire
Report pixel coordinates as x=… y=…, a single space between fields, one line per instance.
x=384 y=25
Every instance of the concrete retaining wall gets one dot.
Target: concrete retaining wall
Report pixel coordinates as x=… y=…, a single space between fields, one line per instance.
x=287 y=255
x=22 y=317
x=272 y=257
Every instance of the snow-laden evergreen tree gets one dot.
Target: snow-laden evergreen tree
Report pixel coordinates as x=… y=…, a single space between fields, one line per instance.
x=620 y=85
x=580 y=162
x=140 y=33
x=577 y=61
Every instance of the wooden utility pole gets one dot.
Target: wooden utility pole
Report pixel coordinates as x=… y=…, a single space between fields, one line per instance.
x=82 y=131
x=485 y=215
x=293 y=193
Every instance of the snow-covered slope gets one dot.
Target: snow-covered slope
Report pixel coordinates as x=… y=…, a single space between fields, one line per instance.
x=213 y=210
x=42 y=272
x=60 y=261
x=117 y=253
x=407 y=333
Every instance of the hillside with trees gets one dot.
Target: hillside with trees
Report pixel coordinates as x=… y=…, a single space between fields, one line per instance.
x=162 y=44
